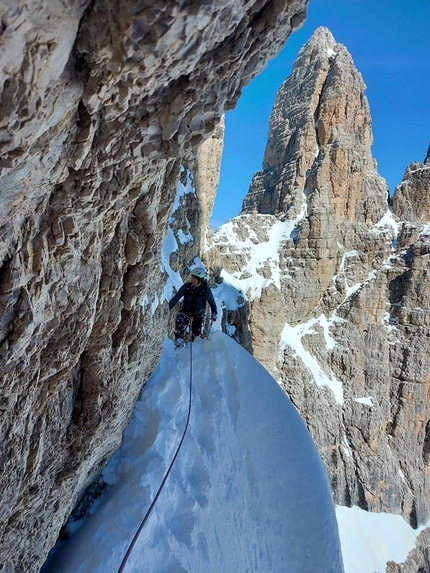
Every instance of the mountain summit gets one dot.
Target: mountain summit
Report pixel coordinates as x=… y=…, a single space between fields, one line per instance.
x=319 y=140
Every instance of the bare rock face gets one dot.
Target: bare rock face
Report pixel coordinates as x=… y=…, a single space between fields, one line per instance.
x=206 y=177
x=100 y=103
x=411 y=196
x=337 y=288
x=319 y=140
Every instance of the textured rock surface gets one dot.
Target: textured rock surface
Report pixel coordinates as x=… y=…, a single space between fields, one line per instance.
x=418 y=560
x=338 y=289
x=411 y=196
x=206 y=178
x=319 y=140
x=100 y=102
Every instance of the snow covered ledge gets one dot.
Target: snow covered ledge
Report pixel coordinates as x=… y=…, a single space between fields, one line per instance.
x=248 y=491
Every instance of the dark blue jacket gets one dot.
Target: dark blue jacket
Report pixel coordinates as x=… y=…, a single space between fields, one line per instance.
x=195 y=299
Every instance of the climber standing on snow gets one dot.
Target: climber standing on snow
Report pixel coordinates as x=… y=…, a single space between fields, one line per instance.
x=196 y=294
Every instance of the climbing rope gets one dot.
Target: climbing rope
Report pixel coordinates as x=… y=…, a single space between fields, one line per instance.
x=154 y=501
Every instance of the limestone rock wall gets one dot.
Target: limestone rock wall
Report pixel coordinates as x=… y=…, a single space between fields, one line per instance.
x=411 y=196
x=338 y=287
x=206 y=178
x=100 y=104
x=319 y=140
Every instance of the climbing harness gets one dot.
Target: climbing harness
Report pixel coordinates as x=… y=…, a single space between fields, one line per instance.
x=154 y=501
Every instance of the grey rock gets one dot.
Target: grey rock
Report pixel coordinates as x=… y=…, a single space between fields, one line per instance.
x=101 y=104
x=340 y=316
x=410 y=199
x=319 y=141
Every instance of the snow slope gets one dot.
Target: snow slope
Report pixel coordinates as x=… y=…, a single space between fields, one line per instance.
x=248 y=491
x=370 y=540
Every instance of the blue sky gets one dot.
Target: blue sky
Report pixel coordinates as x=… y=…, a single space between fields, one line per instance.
x=389 y=43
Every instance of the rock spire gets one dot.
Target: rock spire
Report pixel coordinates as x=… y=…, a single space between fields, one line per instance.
x=334 y=287
x=319 y=141
x=411 y=197
x=101 y=103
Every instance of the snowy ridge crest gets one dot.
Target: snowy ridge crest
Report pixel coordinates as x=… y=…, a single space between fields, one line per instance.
x=237 y=482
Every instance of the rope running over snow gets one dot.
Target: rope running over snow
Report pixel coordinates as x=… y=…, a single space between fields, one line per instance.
x=154 y=501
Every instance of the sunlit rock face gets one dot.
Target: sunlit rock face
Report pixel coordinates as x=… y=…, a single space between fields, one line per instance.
x=337 y=287
x=411 y=196
x=206 y=178
x=100 y=102
x=319 y=140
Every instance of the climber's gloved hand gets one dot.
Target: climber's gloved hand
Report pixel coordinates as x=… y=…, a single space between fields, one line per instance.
x=214 y=317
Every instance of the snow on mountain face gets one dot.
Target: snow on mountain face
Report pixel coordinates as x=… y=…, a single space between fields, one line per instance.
x=101 y=101
x=313 y=347
x=248 y=491
x=410 y=199
x=255 y=250
x=337 y=310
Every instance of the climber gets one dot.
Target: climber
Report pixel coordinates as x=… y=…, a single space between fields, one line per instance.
x=196 y=294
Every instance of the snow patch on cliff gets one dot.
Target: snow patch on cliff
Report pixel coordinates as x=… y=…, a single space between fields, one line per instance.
x=181 y=190
x=260 y=253
x=370 y=540
x=292 y=336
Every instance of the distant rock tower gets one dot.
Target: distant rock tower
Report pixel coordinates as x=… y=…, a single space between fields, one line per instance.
x=319 y=140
